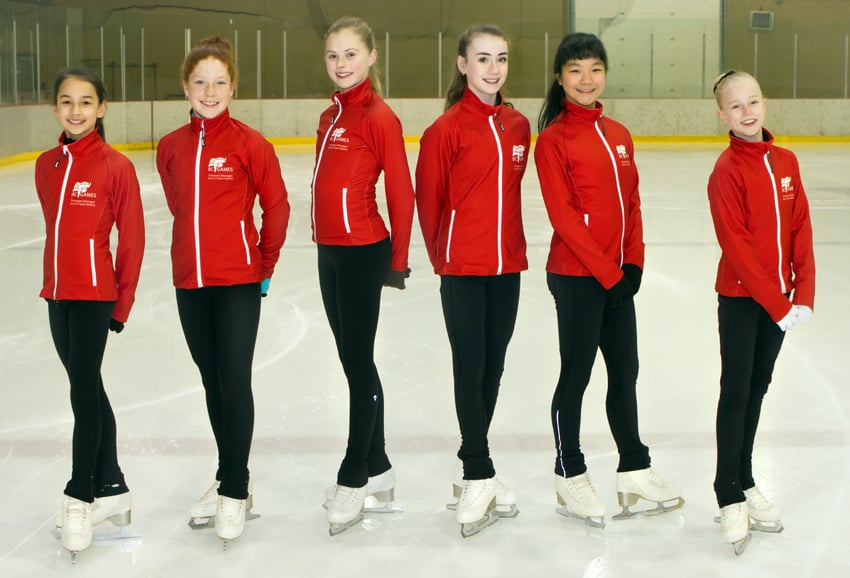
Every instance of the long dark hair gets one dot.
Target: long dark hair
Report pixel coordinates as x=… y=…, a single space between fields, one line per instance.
x=574 y=46
x=458 y=83
x=86 y=75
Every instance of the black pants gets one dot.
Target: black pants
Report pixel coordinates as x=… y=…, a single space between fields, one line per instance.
x=79 y=330
x=585 y=324
x=220 y=324
x=480 y=314
x=749 y=345
x=351 y=279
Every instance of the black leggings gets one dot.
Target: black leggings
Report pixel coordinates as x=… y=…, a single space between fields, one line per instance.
x=220 y=324
x=585 y=324
x=749 y=345
x=79 y=330
x=480 y=314
x=351 y=279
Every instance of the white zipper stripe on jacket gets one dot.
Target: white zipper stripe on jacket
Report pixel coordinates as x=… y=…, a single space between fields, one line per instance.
x=449 y=238
x=499 y=219
x=619 y=191
x=197 y=207
x=770 y=174
x=91 y=260
x=334 y=118
x=245 y=242
x=59 y=218
x=345 y=210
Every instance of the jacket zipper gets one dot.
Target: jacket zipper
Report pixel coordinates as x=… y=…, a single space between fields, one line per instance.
x=334 y=118
x=245 y=242
x=65 y=151
x=601 y=134
x=768 y=164
x=493 y=120
x=197 y=207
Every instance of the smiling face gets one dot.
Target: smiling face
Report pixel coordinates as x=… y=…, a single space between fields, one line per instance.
x=209 y=88
x=583 y=81
x=742 y=108
x=77 y=107
x=485 y=66
x=347 y=59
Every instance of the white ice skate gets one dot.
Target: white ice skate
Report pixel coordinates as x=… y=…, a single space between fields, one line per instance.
x=505 y=497
x=203 y=511
x=116 y=509
x=735 y=526
x=380 y=495
x=230 y=516
x=76 y=529
x=578 y=499
x=345 y=508
x=476 y=508
x=646 y=485
x=764 y=515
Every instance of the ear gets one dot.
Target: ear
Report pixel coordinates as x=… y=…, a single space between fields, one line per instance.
x=186 y=89
x=373 y=57
x=558 y=79
x=101 y=109
x=722 y=116
x=461 y=64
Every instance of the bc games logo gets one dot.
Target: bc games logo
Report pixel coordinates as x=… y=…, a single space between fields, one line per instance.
x=81 y=190
x=217 y=165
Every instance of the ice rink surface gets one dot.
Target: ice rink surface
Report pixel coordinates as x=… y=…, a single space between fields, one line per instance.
x=166 y=448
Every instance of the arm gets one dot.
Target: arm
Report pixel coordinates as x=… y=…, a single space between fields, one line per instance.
x=264 y=171
x=130 y=223
x=432 y=177
x=802 y=253
x=164 y=175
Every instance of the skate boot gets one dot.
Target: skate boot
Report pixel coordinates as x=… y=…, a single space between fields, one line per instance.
x=646 y=485
x=230 y=516
x=380 y=493
x=76 y=529
x=735 y=526
x=764 y=515
x=346 y=508
x=505 y=501
x=203 y=511
x=578 y=499
x=116 y=509
x=476 y=508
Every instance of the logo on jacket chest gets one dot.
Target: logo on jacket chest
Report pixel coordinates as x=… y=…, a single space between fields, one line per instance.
x=623 y=153
x=518 y=153
x=218 y=170
x=81 y=195
x=787 y=188
x=337 y=139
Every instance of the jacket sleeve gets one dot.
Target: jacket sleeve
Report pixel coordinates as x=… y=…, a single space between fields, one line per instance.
x=633 y=245
x=432 y=177
x=726 y=201
x=388 y=146
x=267 y=180
x=550 y=157
x=802 y=252
x=165 y=177
x=130 y=222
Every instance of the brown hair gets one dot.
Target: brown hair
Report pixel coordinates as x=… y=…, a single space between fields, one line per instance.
x=212 y=47
x=361 y=28
x=458 y=83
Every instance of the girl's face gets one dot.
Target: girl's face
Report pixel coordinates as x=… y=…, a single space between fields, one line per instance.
x=583 y=81
x=77 y=107
x=347 y=59
x=209 y=88
x=743 y=108
x=485 y=66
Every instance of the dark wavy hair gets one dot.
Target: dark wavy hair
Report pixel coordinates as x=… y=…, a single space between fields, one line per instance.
x=86 y=75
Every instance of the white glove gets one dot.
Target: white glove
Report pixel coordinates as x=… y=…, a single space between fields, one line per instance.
x=790 y=319
x=804 y=313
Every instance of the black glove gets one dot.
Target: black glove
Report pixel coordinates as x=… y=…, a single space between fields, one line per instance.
x=634 y=275
x=116 y=326
x=619 y=293
x=396 y=278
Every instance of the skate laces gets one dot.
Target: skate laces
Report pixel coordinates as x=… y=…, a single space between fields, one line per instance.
x=583 y=488
x=344 y=496
x=231 y=508
x=76 y=514
x=757 y=500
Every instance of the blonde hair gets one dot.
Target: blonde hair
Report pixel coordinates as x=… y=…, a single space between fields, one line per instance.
x=361 y=29
x=722 y=82
x=211 y=47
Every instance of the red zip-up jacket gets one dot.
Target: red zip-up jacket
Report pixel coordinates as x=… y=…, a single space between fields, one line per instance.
x=358 y=137
x=212 y=171
x=471 y=163
x=585 y=163
x=761 y=217
x=85 y=187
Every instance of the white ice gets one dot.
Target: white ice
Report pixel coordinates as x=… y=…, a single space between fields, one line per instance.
x=166 y=449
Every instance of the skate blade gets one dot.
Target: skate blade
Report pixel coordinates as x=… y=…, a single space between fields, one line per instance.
x=660 y=508
x=381 y=508
x=335 y=529
x=741 y=545
x=593 y=522
x=473 y=528
x=105 y=534
x=507 y=511
x=767 y=527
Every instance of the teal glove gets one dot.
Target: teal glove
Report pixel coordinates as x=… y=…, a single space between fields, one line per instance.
x=264 y=286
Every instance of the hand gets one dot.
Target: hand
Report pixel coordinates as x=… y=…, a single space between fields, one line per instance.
x=790 y=319
x=804 y=313
x=116 y=326
x=396 y=278
x=264 y=286
x=633 y=274
x=619 y=294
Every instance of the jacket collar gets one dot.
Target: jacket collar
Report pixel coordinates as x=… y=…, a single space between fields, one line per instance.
x=742 y=146
x=589 y=115
x=81 y=146
x=355 y=94
x=211 y=125
x=471 y=102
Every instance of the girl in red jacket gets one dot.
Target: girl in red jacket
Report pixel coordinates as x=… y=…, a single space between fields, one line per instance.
x=765 y=285
x=212 y=170
x=358 y=137
x=85 y=188
x=471 y=163
x=589 y=181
